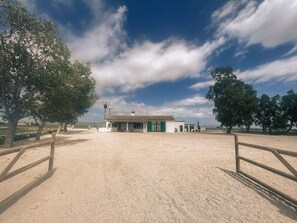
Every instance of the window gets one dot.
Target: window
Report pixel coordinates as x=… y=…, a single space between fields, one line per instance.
x=155 y=126
x=138 y=125
x=114 y=125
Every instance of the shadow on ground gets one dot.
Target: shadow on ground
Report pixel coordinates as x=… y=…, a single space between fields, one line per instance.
x=286 y=208
x=75 y=132
x=13 y=198
x=63 y=141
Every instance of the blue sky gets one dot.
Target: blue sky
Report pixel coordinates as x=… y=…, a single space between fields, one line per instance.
x=154 y=57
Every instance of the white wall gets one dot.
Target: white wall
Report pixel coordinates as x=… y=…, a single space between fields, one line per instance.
x=145 y=127
x=178 y=124
x=170 y=126
x=104 y=130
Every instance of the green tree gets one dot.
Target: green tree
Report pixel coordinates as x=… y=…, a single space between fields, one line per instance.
x=264 y=112
x=279 y=121
x=248 y=104
x=289 y=106
x=270 y=115
x=233 y=99
x=55 y=76
x=27 y=44
x=68 y=96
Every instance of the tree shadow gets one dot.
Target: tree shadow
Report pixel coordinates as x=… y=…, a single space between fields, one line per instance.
x=63 y=141
x=75 y=132
x=285 y=207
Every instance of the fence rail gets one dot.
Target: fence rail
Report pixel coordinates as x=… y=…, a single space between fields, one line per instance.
x=278 y=154
x=7 y=174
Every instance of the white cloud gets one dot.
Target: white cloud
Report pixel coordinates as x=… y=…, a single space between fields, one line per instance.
x=117 y=66
x=96 y=6
x=228 y=10
x=195 y=107
x=280 y=70
x=270 y=23
x=104 y=40
x=195 y=100
x=149 y=63
x=201 y=85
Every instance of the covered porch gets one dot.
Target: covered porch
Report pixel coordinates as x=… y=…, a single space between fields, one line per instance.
x=128 y=127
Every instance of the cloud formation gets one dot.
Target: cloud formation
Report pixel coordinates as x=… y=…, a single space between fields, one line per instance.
x=119 y=66
x=201 y=85
x=195 y=106
x=102 y=41
x=122 y=67
x=269 y=23
x=280 y=70
x=148 y=63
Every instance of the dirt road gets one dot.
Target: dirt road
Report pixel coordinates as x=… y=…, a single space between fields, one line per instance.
x=131 y=177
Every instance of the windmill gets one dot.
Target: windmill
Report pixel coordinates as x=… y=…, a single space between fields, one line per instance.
x=105 y=106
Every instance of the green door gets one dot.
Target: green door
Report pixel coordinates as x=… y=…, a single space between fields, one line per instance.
x=181 y=128
x=149 y=126
x=163 y=126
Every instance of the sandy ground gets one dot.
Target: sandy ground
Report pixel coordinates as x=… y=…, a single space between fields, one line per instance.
x=134 y=177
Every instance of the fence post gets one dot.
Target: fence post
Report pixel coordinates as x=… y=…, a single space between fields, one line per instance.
x=52 y=153
x=236 y=153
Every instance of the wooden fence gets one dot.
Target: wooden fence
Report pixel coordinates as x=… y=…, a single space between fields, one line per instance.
x=7 y=174
x=278 y=154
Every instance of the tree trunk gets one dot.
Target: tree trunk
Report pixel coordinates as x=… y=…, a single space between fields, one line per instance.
x=59 y=128
x=229 y=129
x=9 y=138
x=39 y=133
x=290 y=127
x=65 y=127
x=247 y=127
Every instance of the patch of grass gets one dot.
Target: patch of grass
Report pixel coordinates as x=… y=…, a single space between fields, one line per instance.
x=3 y=130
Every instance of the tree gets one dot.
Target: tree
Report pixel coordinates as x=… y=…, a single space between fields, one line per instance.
x=233 y=99
x=264 y=112
x=68 y=96
x=289 y=106
x=270 y=114
x=55 y=77
x=248 y=104
x=26 y=46
x=279 y=121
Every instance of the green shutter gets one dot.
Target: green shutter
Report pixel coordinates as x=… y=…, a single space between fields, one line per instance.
x=163 y=126
x=181 y=128
x=149 y=126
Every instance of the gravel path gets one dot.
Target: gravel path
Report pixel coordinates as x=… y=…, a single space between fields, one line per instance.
x=131 y=177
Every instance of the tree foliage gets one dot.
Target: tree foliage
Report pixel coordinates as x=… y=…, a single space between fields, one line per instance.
x=36 y=75
x=234 y=100
x=288 y=104
x=68 y=96
x=236 y=104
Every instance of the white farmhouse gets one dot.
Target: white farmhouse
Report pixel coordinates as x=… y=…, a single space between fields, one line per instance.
x=144 y=123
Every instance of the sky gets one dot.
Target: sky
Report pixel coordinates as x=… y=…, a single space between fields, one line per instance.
x=155 y=57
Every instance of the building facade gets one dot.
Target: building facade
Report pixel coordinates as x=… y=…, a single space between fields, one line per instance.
x=144 y=123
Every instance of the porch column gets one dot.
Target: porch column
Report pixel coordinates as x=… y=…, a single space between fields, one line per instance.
x=127 y=127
